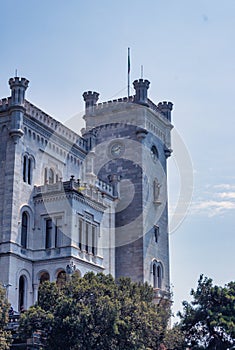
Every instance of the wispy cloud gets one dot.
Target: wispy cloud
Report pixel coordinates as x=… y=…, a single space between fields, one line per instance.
x=228 y=195
x=216 y=200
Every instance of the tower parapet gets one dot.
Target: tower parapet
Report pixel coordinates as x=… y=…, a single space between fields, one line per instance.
x=165 y=108
x=90 y=98
x=141 y=91
x=18 y=87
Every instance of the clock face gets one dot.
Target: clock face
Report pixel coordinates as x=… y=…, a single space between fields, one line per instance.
x=116 y=149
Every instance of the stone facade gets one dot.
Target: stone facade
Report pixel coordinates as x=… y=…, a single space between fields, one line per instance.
x=91 y=203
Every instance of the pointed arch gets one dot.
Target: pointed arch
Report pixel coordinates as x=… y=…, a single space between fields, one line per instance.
x=157 y=272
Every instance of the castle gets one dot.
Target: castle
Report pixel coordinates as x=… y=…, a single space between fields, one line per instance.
x=96 y=202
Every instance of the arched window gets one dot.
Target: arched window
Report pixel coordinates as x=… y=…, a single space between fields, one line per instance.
x=61 y=279
x=51 y=176
x=157 y=275
x=25 y=161
x=27 y=169
x=44 y=277
x=24 y=229
x=154 y=153
x=22 y=293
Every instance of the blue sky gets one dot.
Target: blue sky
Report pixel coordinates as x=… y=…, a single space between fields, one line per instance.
x=187 y=49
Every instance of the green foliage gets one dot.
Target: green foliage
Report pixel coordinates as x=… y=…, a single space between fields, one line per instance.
x=5 y=336
x=174 y=338
x=209 y=320
x=95 y=312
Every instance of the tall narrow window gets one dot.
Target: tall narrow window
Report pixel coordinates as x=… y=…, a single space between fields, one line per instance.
x=25 y=168
x=51 y=176
x=93 y=240
x=29 y=170
x=24 y=229
x=156 y=233
x=80 y=234
x=48 y=233
x=154 y=276
x=45 y=176
x=157 y=276
x=22 y=297
x=87 y=237
x=58 y=227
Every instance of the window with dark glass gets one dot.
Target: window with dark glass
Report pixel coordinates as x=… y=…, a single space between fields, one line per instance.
x=27 y=169
x=157 y=276
x=87 y=237
x=93 y=240
x=58 y=227
x=49 y=228
x=156 y=233
x=24 y=229
x=80 y=234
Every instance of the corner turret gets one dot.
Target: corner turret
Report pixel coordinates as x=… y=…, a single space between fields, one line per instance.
x=141 y=91
x=90 y=98
x=18 y=87
x=165 y=108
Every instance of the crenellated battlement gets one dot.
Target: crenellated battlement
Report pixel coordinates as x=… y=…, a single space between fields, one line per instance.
x=165 y=108
x=18 y=82
x=59 y=128
x=5 y=103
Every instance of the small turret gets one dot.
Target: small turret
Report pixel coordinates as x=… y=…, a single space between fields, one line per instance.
x=18 y=87
x=165 y=108
x=90 y=98
x=141 y=91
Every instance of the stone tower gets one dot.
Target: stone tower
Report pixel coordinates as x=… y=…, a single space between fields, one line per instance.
x=132 y=144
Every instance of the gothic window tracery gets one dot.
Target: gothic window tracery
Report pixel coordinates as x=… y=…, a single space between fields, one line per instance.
x=157 y=275
x=28 y=165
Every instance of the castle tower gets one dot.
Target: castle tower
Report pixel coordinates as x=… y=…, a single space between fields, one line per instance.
x=11 y=127
x=132 y=145
x=18 y=87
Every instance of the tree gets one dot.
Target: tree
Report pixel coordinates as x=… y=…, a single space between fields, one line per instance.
x=5 y=336
x=209 y=320
x=96 y=312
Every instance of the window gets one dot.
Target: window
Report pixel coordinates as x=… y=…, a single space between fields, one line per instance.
x=93 y=240
x=27 y=169
x=24 y=169
x=80 y=234
x=87 y=237
x=87 y=234
x=48 y=233
x=24 y=229
x=51 y=176
x=22 y=293
x=44 y=277
x=45 y=176
x=154 y=153
x=156 y=233
x=157 y=275
x=53 y=232
x=61 y=279
x=58 y=228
